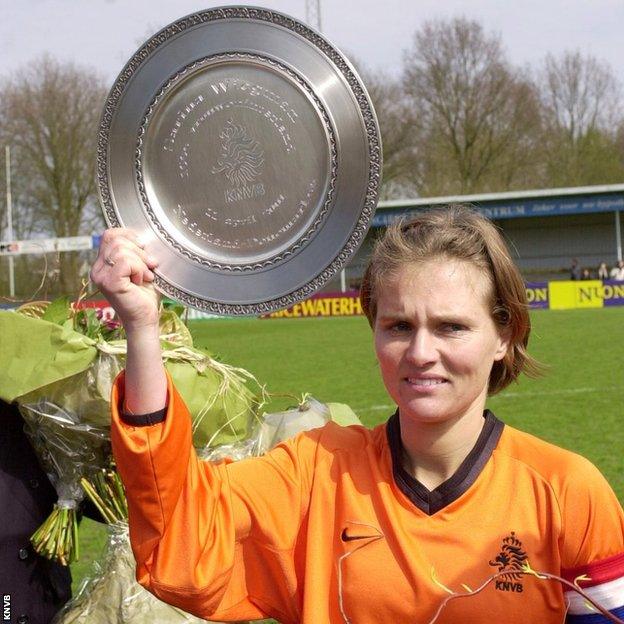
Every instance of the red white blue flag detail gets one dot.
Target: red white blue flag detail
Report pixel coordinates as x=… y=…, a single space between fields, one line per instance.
x=603 y=582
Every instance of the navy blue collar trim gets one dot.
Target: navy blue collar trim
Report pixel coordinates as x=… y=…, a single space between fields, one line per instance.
x=432 y=501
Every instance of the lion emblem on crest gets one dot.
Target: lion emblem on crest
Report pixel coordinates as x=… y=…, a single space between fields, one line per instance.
x=241 y=158
x=511 y=557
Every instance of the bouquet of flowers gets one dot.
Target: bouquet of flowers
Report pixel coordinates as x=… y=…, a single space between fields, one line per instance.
x=59 y=363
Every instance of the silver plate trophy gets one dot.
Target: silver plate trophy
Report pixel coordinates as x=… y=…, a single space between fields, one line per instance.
x=244 y=150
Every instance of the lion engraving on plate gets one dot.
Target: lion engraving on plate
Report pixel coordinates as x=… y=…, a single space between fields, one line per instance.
x=242 y=158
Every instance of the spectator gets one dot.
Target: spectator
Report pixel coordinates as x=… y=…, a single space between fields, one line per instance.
x=617 y=272
x=586 y=274
x=575 y=270
x=603 y=271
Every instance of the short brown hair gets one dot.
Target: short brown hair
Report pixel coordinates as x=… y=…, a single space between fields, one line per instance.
x=461 y=233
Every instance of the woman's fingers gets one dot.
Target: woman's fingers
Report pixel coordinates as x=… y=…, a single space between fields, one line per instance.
x=116 y=244
x=122 y=260
x=127 y=267
x=113 y=234
x=121 y=246
x=123 y=273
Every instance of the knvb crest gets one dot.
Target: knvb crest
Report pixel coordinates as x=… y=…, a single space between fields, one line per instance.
x=241 y=161
x=510 y=562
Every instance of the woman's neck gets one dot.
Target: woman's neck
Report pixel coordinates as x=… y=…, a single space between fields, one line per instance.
x=432 y=452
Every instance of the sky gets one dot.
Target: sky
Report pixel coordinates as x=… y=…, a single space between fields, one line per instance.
x=103 y=34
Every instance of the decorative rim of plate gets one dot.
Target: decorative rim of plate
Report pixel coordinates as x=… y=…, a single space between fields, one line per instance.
x=370 y=125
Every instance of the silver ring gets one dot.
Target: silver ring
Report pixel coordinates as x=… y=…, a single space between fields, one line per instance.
x=108 y=261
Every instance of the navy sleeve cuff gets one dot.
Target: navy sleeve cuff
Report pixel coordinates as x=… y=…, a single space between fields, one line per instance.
x=143 y=420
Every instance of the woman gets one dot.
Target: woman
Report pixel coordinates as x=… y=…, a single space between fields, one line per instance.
x=351 y=525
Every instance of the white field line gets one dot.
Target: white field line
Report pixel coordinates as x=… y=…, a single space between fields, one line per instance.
x=375 y=408
x=563 y=391
x=507 y=395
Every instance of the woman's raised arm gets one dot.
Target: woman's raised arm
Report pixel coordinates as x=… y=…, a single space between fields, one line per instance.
x=123 y=273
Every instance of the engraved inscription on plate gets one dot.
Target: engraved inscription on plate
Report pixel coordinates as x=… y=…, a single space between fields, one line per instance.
x=237 y=160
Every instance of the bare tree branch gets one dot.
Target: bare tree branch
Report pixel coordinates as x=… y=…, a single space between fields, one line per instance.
x=581 y=111
x=474 y=107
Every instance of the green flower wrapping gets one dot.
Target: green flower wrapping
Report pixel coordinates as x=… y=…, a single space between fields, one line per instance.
x=61 y=379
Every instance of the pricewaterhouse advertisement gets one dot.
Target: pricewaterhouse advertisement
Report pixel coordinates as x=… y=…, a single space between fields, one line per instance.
x=323 y=304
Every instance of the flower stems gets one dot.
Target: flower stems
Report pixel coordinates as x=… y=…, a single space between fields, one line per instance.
x=106 y=492
x=57 y=537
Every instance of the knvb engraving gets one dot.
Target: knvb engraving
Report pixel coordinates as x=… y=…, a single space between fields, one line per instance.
x=241 y=159
x=245 y=192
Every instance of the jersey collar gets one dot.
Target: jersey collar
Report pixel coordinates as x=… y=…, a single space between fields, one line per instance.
x=432 y=501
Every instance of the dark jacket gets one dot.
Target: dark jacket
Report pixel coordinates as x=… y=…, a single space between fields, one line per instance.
x=37 y=588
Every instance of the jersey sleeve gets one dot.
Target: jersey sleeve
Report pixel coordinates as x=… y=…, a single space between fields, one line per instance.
x=217 y=540
x=593 y=544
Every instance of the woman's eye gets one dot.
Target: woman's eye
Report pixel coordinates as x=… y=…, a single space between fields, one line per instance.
x=400 y=327
x=453 y=327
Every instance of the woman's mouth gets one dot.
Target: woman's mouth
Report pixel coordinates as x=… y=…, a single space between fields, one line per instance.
x=425 y=382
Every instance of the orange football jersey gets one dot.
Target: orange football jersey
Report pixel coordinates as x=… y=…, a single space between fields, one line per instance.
x=328 y=527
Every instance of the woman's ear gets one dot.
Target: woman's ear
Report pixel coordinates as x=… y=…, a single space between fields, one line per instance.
x=503 y=342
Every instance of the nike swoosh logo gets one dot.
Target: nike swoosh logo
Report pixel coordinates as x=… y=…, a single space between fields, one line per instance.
x=349 y=538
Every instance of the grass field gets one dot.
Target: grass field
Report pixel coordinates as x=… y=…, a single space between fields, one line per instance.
x=579 y=404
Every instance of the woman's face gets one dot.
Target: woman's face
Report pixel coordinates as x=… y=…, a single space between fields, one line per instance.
x=436 y=340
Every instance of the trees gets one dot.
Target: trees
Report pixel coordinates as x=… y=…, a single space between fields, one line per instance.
x=400 y=131
x=479 y=114
x=49 y=115
x=491 y=127
x=581 y=113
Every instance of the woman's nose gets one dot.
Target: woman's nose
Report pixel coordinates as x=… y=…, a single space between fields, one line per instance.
x=422 y=349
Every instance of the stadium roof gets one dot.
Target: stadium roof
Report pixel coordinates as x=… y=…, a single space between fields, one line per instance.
x=552 y=192
x=515 y=204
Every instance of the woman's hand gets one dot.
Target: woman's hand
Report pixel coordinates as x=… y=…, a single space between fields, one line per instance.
x=123 y=273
